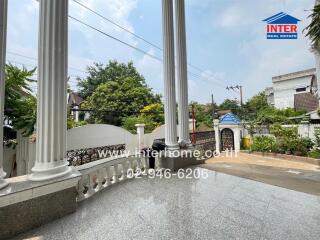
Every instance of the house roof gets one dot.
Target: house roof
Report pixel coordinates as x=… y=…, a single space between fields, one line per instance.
x=281 y=18
x=229 y=119
x=74 y=99
x=304 y=73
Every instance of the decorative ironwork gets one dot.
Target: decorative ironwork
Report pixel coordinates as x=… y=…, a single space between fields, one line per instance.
x=81 y=156
x=227 y=139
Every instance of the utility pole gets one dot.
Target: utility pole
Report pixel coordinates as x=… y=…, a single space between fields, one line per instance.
x=193 y=126
x=212 y=104
x=241 y=100
x=238 y=90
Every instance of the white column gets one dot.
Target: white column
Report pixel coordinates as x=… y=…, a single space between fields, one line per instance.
x=140 y=133
x=3 y=41
x=52 y=92
x=169 y=76
x=77 y=114
x=236 y=134
x=181 y=53
x=217 y=134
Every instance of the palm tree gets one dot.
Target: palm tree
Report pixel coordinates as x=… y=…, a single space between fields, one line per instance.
x=313 y=32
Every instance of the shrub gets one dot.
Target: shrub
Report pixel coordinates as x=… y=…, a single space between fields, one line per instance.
x=264 y=144
x=302 y=146
x=314 y=154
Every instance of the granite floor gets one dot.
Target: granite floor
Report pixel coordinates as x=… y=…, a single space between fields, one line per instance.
x=219 y=207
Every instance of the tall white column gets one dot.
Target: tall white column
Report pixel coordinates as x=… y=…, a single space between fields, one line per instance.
x=181 y=54
x=52 y=92
x=3 y=41
x=169 y=76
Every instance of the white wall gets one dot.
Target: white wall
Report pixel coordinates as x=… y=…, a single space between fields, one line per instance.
x=98 y=135
x=158 y=133
x=308 y=130
x=284 y=91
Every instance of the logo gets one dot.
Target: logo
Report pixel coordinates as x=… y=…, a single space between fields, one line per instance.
x=282 y=26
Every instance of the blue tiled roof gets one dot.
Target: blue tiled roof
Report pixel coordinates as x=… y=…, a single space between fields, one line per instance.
x=281 y=18
x=230 y=119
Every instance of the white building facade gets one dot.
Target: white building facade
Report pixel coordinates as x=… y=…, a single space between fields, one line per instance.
x=293 y=90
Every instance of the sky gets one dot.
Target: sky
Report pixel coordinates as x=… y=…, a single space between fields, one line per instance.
x=226 y=42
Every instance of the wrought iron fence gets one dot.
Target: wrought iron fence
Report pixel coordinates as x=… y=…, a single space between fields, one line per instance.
x=81 y=156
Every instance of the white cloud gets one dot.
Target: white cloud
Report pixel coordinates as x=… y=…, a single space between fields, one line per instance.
x=265 y=58
x=152 y=70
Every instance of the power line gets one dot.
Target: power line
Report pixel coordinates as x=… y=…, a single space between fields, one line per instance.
x=133 y=34
x=116 y=24
x=131 y=46
x=35 y=59
x=138 y=49
x=117 y=39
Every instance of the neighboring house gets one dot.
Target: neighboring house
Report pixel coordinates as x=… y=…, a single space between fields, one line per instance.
x=296 y=90
x=74 y=104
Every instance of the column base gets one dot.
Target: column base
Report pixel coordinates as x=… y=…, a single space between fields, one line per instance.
x=185 y=144
x=180 y=159
x=172 y=147
x=3 y=182
x=42 y=173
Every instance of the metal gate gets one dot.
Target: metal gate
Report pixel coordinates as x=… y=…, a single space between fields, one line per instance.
x=227 y=139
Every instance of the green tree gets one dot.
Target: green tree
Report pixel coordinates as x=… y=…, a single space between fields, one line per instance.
x=203 y=115
x=20 y=104
x=271 y=115
x=229 y=104
x=313 y=29
x=151 y=115
x=155 y=111
x=117 y=99
x=254 y=105
x=113 y=71
x=313 y=32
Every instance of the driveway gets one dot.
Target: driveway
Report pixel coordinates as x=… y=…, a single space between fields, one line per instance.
x=303 y=177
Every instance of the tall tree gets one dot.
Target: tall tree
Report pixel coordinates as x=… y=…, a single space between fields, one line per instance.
x=253 y=106
x=313 y=32
x=229 y=104
x=20 y=104
x=113 y=71
x=119 y=98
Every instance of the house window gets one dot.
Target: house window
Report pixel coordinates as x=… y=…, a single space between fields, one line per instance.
x=302 y=89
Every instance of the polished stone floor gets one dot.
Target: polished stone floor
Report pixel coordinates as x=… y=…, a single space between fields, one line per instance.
x=219 y=207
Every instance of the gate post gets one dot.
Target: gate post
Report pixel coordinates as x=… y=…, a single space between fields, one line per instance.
x=236 y=137
x=217 y=134
x=140 y=133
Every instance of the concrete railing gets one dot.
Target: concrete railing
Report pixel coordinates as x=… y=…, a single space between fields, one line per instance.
x=103 y=173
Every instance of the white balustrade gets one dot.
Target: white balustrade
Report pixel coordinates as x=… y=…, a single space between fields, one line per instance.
x=103 y=173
